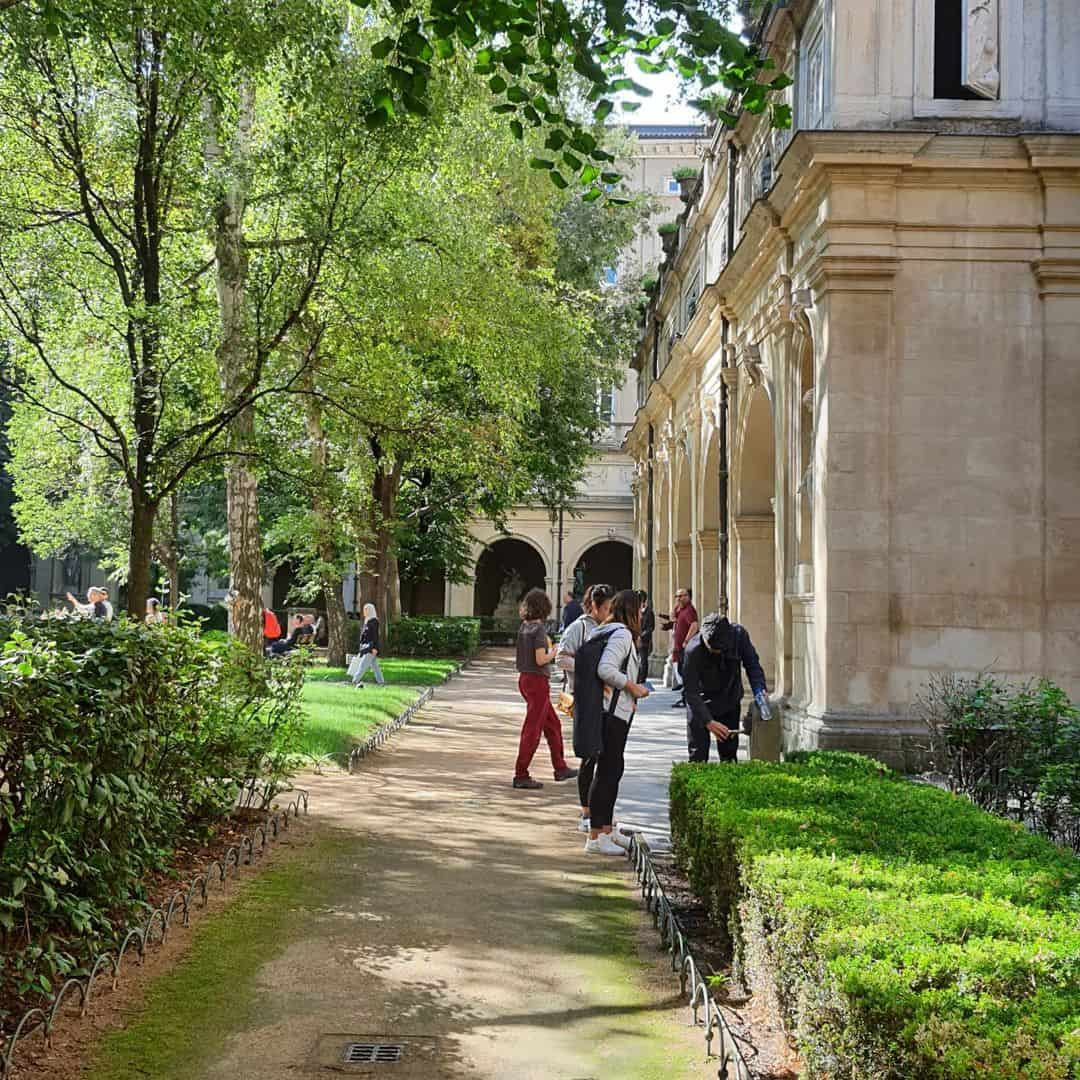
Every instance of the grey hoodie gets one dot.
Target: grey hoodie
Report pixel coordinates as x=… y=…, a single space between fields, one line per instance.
x=577 y=633
x=620 y=646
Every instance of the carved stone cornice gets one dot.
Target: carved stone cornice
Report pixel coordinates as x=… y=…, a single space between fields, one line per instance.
x=755 y=526
x=854 y=273
x=1057 y=276
x=708 y=540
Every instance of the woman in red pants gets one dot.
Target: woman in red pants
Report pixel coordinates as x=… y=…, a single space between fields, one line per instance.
x=534 y=655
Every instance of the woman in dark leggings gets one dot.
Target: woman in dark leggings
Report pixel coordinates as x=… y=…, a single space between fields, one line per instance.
x=621 y=695
x=597 y=610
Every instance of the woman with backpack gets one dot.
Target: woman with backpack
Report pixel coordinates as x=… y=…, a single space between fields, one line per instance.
x=618 y=702
x=597 y=605
x=534 y=655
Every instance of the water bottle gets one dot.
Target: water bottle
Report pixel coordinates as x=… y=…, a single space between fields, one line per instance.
x=763 y=705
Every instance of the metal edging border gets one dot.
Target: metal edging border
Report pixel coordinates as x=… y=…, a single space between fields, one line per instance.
x=732 y=1064
x=138 y=937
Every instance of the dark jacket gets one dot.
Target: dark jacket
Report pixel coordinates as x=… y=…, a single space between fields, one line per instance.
x=648 y=628
x=369 y=636
x=712 y=682
x=570 y=613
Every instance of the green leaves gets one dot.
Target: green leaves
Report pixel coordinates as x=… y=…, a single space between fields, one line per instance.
x=518 y=43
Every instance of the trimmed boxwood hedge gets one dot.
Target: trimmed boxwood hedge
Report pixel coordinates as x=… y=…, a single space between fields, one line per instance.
x=902 y=931
x=433 y=636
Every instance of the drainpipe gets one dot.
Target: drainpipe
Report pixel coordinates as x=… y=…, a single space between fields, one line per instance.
x=722 y=426
x=559 y=583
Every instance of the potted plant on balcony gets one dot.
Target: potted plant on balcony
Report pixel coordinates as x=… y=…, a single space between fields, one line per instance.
x=669 y=237
x=650 y=285
x=687 y=177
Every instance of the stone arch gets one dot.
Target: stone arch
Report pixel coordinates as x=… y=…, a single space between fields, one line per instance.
x=508 y=565
x=607 y=559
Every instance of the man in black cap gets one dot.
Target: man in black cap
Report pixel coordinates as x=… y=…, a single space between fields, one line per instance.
x=713 y=685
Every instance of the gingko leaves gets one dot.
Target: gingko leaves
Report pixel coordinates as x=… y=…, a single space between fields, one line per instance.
x=525 y=48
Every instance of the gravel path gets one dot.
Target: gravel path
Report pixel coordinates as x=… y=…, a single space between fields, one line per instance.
x=445 y=910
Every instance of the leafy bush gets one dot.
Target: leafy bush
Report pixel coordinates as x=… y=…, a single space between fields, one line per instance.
x=668 y=228
x=434 y=636
x=1013 y=750
x=116 y=741
x=214 y=617
x=902 y=931
x=686 y=172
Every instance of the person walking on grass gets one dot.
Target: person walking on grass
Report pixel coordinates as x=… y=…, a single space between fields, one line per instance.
x=712 y=682
x=535 y=653
x=597 y=610
x=620 y=697
x=367 y=659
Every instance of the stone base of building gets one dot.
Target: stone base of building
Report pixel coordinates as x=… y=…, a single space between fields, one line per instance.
x=898 y=741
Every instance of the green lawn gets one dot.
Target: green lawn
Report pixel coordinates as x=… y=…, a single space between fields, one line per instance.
x=340 y=716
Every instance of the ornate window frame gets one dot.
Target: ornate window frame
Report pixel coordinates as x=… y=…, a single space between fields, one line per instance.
x=1010 y=62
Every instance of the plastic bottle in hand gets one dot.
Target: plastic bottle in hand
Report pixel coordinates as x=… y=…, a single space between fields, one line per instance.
x=763 y=705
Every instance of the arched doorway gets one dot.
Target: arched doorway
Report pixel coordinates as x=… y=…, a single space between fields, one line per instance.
x=755 y=532
x=505 y=571
x=609 y=561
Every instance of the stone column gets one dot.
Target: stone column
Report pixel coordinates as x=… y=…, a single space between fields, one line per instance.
x=707 y=587
x=753 y=601
x=1057 y=275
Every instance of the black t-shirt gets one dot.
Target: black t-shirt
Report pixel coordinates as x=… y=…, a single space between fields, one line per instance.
x=100 y=610
x=531 y=636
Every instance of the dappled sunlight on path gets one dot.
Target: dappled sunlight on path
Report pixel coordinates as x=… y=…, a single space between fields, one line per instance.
x=463 y=914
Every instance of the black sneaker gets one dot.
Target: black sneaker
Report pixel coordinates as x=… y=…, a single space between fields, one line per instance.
x=527 y=782
x=565 y=774
x=678 y=704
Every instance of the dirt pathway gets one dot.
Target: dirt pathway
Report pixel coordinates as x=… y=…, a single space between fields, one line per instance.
x=439 y=908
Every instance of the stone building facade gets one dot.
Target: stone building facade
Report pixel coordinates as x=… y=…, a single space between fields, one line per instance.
x=593 y=540
x=860 y=380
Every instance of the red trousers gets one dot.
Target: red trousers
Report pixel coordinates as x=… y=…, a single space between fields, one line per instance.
x=540 y=719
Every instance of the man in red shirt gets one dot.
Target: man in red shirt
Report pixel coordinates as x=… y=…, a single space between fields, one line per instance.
x=684 y=620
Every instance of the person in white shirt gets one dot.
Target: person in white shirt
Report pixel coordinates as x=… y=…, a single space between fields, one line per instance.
x=597 y=610
x=621 y=695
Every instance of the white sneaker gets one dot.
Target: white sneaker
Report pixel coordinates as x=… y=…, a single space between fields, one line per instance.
x=603 y=845
x=619 y=838
x=583 y=824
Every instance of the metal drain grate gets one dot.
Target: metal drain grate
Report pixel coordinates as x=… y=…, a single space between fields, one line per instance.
x=360 y=1053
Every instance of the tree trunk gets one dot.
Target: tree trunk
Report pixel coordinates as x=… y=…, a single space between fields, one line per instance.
x=245 y=553
x=234 y=370
x=140 y=556
x=335 y=624
x=172 y=555
x=322 y=512
x=384 y=489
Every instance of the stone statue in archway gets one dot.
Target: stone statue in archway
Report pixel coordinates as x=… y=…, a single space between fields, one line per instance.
x=510 y=594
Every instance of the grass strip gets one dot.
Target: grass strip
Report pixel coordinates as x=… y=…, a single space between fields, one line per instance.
x=904 y=932
x=187 y=1014
x=339 y=717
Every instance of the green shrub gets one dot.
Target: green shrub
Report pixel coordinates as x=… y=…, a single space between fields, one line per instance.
x=116 y=741
x=213 y=616
x=903 y=932
x=686 y=172
x=1013 y=750
x=433 y=636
